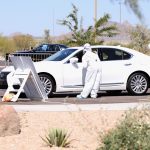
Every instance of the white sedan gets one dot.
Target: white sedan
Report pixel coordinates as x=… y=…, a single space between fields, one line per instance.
x=121 y=69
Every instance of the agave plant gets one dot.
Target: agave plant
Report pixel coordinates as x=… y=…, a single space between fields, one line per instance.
x=57 y=137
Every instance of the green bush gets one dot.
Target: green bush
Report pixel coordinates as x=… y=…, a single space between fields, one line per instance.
x=57 y=137
x=132 y=133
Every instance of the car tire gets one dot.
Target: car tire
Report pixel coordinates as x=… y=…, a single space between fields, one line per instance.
x=114 y=92
x=137 y=84
x=48 y=83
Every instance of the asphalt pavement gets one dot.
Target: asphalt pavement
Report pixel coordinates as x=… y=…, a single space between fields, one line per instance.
x=69 y=102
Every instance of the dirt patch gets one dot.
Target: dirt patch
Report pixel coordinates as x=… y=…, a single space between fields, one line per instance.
x=84 y=126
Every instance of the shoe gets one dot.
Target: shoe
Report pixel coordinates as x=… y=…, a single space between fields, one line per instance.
x=93 y=97
x=80 y=97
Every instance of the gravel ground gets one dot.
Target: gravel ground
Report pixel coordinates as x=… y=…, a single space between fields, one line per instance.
x=84 y=127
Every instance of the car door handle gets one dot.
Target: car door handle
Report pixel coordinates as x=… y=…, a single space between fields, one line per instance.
x=128 y=64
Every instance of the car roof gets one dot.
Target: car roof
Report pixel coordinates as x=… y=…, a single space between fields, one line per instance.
x=110 y=46
x=53 y=44
x=98 y=46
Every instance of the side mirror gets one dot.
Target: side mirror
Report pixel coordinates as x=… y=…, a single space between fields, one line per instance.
x=73 y=60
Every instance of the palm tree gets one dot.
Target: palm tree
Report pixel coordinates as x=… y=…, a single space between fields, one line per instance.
x=134 y=6
x=81 y=36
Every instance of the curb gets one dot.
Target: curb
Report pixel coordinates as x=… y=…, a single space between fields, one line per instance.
x=78 y=107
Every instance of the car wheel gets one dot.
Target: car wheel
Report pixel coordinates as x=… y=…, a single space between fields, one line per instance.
x=48 y=83
x=137 y=84
x=114 y=92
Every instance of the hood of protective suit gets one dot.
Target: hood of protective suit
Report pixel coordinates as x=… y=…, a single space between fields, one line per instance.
x=87 y=47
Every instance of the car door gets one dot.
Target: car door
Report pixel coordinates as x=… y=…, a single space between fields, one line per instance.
x=73 y=73
x=116 y=64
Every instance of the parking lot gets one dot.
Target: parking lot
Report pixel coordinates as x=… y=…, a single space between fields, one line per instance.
x=70 y=98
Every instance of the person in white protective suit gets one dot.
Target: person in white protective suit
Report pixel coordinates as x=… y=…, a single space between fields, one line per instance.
x=92 y=64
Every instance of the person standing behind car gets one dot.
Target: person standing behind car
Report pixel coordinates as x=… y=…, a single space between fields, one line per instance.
x=92 y=64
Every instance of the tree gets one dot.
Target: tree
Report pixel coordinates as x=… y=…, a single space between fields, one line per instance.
x=47 y=38
x=134 y=6
x=6 y=45
x=23 y=41
x=140 y=38
x=81 y=36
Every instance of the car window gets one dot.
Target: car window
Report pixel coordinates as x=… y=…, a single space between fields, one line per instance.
x=95 y=50
x=108 y=54
x=51 y=48
x=39 y=48
x=126 y=56
x=42 y=48
x=79 y=56
x=62 y=47
x=60 y=55
x=56 y=48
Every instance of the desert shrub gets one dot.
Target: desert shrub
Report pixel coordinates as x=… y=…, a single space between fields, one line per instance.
x=23 y=41
x=6 y=45
x=113 y=43
x=140 y=38
x=131 y=133
x=57 y=137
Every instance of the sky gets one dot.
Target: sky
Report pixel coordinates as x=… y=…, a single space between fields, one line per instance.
x=34 y=16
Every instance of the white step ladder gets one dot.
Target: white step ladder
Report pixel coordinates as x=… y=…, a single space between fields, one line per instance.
x=29 y=80
x=22 y=76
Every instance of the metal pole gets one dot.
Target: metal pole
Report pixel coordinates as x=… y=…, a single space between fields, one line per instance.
x=95 y=16
x=53 y=22
x=120 y=11
x=95 y=10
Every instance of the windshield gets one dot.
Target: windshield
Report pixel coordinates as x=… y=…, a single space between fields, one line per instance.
x=60 y=55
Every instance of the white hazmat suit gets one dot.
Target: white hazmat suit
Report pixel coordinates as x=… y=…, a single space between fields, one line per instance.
x=92 y=64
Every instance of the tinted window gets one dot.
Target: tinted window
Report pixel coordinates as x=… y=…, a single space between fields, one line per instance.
x=62 y=47
x=95 y=50
x=49 y=48
x=79 y=56
x=126 y=56
x=52 y=48
x=107 y=54
x=39 y=48
x=56 y=48
x=42 y=48
x=60 y=55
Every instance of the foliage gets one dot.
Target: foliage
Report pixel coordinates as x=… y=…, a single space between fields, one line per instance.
x=140 y=38
x=57 y=137
x=23 y=41
x=92 y=33
x=47 y=38
x=114 y=43
x=6 y=45
x=134 y=6
x=132 y=133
